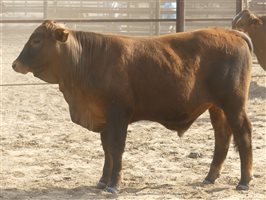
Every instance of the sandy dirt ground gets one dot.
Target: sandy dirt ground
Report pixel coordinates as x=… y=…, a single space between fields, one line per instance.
x=45 y=156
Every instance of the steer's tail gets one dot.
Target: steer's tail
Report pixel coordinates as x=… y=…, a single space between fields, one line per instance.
x=247 y=39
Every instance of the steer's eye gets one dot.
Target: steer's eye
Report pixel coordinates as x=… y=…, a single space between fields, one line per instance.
x=36 y=41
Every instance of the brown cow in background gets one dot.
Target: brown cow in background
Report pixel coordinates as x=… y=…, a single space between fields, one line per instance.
x=110 y=81
x=255 y=26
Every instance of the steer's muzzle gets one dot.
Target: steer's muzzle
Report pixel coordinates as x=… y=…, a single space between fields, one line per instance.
x=20 y=68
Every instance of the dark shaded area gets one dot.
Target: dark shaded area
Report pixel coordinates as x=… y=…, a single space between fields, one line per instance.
x=257 y=91
x=82 y=192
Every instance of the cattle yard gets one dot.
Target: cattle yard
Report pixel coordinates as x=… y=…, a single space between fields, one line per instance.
x=46 y=156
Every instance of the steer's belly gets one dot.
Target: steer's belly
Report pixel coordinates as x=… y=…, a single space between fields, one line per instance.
x=184 y=120
x=178 y=119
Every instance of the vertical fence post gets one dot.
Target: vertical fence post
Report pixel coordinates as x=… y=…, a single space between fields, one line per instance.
x=180 y=15
x=245 y=4
x=239 y=6
x=157 y=24
x=45 y=9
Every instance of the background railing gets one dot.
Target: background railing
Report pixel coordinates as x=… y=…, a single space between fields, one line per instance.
x=133 y=17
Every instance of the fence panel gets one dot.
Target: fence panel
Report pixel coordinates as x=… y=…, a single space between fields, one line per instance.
x=198 y=14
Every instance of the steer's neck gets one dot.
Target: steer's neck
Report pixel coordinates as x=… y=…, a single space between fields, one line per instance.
x=83 y=59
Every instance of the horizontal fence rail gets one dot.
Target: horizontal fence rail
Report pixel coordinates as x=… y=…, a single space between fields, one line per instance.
x=203 y=13
x=112 y=20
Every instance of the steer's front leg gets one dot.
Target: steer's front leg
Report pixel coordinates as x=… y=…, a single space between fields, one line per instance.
x=108 y=162
x=113 y=141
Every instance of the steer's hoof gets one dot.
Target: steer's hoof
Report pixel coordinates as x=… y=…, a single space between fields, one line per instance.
x=101 y=185
x=112 y=190
x=242 y=187
x=207 y=182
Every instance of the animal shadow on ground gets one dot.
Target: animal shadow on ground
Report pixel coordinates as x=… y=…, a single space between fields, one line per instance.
x=207 y=189
x=257 y=91
x=82 y=192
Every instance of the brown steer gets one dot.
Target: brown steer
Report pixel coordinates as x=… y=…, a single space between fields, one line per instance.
x=110 y=81
x=255 y=26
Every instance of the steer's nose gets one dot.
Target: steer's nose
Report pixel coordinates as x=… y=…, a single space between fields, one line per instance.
x=19 y=67
x=14 y=65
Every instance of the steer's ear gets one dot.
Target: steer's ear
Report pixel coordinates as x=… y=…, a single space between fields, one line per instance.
x=256 y=22
x=61 y=34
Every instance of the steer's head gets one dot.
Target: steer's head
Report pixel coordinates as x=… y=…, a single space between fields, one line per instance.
x=246 y=21
x=41 y=54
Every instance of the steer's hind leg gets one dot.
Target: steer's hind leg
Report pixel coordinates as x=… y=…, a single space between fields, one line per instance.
x=241 y=128
x=222 y=134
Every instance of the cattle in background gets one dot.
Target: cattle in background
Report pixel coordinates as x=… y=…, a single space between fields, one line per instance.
x=110 y=81
x=255 y=26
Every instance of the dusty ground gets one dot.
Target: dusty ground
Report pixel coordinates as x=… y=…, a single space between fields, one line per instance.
x=46 y=156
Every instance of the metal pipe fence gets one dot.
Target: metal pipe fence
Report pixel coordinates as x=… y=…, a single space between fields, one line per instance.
x=122 y=11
